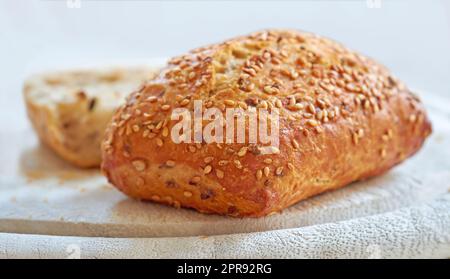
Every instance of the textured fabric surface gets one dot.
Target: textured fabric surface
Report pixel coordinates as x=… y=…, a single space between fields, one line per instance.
x=404 y=213
x=414 y=232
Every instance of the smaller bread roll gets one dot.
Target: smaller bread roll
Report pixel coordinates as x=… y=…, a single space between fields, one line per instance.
x=70 y=110
x=342 y=117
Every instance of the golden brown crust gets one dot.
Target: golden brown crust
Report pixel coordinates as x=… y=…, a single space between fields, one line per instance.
x=70 y=110
x=343 y=118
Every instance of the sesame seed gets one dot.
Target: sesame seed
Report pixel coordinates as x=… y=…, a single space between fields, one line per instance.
x=360 y=133
x=322 y=104
x=278 y=103
x=209 y=104
x=242 y=152
x=187 y=194
x=325 y=116
x=293 y=74
x=351 y=87
x=135 y=128
x=385 y=138
x=229 y=150
x=275 y=61
x=312 y=122
x=296 y=107
x=156 y=198
x=383 y=153
x=266 y=171
x=179 y=97
x=165 y=132
x=263 y=105
x=295 y=144
x=273 y=149
x=316 y=73
x=279 y=171
x=184 y=102
x=412 y=118
x=159 y=142
x=292 y=100
x=152 y=99
x=238 y=164
x=165 y=123
x=307 y=115
x=223 y=163
x=366 y=104
x=139 y=165
x=192 y=148
x=191 y=75
x=219 y=173
x=165 y=107
x=268 y=161
x=290 y=166
x=312 y=109
x=242 y=105
x=376 y=107
x=207 y=169
x=259 y=174
x=208 y=159
x=170 y=163
x=355 y=138
x=390 y=133
x=250 y=71
x=336 y=111
x=270 y=89
x=159 y=125
x=332 y=114
x=229 y=102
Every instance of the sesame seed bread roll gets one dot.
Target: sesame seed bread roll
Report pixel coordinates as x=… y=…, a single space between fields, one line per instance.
x=342 y=118
x=70 y=110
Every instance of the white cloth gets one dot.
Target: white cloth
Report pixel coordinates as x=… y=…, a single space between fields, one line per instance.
x=414 y=232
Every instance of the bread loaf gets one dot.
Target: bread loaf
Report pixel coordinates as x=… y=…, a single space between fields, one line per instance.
x=70 y=110
x=342 y=118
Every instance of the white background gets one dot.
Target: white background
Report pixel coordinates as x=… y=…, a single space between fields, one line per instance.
x=411 y=37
